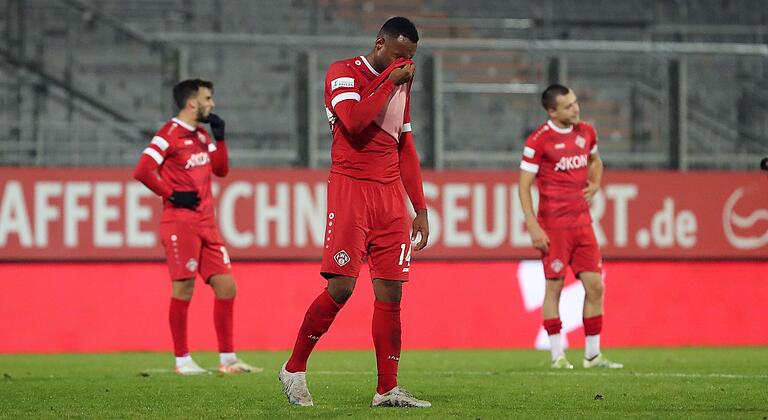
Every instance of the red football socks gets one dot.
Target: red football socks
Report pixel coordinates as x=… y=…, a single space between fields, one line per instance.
x=317 y=320
x=593 y=325
x=178 y=319
x=553 y=326
x=223 y=319
x=386 y=340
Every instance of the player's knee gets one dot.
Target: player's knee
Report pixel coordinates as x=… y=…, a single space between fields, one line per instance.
x=553 y=288
x=226 y=292
x=183 y=290
x=341 y=292
x=594 y=290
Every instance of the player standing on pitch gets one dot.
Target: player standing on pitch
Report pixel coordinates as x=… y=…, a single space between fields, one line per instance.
x=177 y=166
x=561 y=155
x=367 y=100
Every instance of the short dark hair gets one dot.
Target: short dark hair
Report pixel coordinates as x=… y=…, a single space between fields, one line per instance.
x=549 y=97
x=187 y=89
x=398 y=25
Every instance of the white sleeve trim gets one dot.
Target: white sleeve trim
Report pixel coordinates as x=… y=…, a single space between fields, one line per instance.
x=160 y=142
x=406 y=127
x=211 y=147
x=594 y=150
x=154 y=155
x=529 y=167
x=344 y=96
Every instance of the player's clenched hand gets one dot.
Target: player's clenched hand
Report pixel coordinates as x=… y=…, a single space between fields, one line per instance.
x=590 y=191
x=185 y=199
x=420 y=230
x=403 y=74
x=538 y=237
x=217 y=126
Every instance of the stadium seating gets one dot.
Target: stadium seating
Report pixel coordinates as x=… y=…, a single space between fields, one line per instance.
x=86 y=66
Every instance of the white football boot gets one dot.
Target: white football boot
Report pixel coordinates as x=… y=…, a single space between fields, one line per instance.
x=398 y=397
x=601 y=362
x=190 y=368
x=295 y=387
x=561 y=363
x=238 y=366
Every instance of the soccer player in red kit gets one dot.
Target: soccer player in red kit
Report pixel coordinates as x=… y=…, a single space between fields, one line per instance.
x=177 y=165
x=561 y=155
x=367 y=101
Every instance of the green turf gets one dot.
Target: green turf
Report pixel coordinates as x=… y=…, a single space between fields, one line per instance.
x=681 y=383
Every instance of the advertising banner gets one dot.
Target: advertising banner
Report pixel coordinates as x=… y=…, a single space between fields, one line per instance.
x=102 y=214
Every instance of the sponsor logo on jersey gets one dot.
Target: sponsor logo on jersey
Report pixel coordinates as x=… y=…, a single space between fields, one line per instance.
x=342 y=82
x=581 y=141
x=529 y=152
x=341 y=258
x=567 y=163
x=191 y=265
x=556 y=266
x=197 y=159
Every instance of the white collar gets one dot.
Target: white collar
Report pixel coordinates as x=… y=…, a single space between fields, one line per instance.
x=558 y=129
x=183 y=124
x=370 y=67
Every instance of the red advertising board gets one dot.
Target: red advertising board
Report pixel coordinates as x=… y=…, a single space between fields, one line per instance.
x=68 y=307
x=102 y=214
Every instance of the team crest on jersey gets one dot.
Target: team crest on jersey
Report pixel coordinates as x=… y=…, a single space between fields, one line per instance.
x=556 y=266
x=191 y=265
x=581 y=141
x=341 y=258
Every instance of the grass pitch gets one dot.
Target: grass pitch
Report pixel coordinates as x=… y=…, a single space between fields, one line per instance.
x=680 y=383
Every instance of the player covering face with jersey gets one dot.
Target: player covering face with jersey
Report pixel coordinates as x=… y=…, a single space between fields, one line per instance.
x=373 y=159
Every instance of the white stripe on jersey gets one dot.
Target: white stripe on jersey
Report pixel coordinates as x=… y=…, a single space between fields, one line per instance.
x=344 y=96
x=529 y=167
x=406 y=127
x=594 y=150
x=160 y=142
x=154 y=155
x=211 y=147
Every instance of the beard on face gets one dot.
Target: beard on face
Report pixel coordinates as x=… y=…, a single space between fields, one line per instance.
x=200 y=116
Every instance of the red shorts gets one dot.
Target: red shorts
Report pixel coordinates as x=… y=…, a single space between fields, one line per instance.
x=576 y=247
x=366 y=220
x=192 y=249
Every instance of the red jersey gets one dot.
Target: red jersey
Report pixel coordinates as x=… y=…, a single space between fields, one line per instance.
x=182 y=153
x=371 y=154
x=560 y=159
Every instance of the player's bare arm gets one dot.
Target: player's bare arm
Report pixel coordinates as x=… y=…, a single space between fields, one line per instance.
x=420 y=229
x=538 y=236
x=594 y=177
